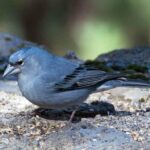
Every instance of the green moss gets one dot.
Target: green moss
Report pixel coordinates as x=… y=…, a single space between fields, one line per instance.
x=138 y=76
x=99 y=65
x=138 y=68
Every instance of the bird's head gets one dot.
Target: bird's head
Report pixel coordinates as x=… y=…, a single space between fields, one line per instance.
x=26 y=59
x=15 y=63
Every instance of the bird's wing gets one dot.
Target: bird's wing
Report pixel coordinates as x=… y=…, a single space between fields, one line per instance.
x=85 y=76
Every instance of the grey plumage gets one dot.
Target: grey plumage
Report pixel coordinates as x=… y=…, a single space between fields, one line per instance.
x=54 y=82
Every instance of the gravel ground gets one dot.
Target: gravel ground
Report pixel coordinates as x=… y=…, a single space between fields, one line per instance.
x=23 y=126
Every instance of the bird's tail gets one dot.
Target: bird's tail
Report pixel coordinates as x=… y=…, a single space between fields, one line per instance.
x=134 y=83
x=123 y=83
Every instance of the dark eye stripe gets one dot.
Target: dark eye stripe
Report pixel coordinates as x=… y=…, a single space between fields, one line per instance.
x=17 y=63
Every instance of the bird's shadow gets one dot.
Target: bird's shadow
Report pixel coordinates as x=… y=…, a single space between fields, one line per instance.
x=84 y=111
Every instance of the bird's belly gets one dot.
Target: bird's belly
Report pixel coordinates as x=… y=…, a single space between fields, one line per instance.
x=58 y=100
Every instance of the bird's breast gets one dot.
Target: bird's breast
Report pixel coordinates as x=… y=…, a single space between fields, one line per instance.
x=28 y=88
x=44 y=95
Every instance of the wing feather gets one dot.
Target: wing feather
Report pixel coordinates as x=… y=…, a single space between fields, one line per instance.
x=85 y=76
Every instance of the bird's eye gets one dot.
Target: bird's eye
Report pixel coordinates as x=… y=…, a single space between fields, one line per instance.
x=20 y=62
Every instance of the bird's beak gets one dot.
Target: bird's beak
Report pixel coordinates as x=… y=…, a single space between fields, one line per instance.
x=10 y=70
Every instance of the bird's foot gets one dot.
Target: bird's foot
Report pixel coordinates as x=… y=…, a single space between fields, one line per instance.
x=73 y=114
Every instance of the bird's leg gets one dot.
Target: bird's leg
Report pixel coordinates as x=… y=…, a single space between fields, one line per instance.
x=73 y=114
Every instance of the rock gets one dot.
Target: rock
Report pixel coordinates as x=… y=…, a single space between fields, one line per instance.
x=123 y=58
x=90 y=138
x=134 y=63
x=10 y=43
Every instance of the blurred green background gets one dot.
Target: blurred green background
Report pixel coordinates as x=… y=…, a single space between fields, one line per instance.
x=90 y=27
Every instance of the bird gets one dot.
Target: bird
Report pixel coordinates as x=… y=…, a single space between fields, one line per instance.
x=55 y=82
